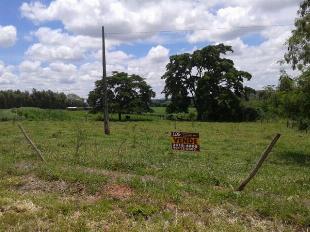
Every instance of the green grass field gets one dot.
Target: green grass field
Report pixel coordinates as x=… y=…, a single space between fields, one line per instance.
x=36 y=114
x=131 y=180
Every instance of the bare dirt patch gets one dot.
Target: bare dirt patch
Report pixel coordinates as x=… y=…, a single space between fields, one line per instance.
x=114 y=191
x=115 y=174
x=120 y=192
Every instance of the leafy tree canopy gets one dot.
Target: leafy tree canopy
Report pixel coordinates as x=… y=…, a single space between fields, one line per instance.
x=291 y=98
x=286 y=83
x=304 y=89
x=126 y=94
x=209 y=80
x=298 y=54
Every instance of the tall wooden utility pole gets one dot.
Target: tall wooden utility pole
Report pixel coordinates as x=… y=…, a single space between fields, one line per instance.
x=104 y=78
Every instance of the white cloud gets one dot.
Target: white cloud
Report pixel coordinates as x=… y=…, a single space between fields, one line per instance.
x=7 y=36
x=158 y=54
x=29 y=66
x=50 y=53
x=57 y=72
x=86 y=17
x=57 y=37
x=76 y=49
x=152 y=67
x=265 y=5
x=56 y=45
x=80 y=78
x=261 y=61
x=7 y=76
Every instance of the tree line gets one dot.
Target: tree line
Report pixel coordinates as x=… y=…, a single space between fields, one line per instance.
x=289 y=99
x=42 y=99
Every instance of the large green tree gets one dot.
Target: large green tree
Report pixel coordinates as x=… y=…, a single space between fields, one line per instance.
x=126 y=94
x=298 y=54
x=209 y=80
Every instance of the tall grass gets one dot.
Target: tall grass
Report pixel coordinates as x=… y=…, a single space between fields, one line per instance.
x=7 y=115
x=37 y=114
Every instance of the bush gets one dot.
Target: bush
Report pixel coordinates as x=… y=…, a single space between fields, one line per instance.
x=303 y=124
x=249 y=114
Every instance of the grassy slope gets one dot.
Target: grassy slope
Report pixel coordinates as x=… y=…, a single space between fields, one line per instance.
x=136 y=182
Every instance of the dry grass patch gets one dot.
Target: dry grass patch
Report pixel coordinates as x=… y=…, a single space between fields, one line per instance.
x=32 y=184
x=19 y=207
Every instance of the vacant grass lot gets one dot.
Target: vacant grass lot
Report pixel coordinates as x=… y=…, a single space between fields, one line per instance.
x=132 y=181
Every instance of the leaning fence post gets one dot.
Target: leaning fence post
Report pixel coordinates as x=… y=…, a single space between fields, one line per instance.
x=39 y=153
x=259 y=163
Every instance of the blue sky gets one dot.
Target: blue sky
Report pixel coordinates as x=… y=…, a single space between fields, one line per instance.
x=55 y=44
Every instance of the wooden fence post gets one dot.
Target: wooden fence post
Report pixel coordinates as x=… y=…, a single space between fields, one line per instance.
x=259 y=163
x=39 y=153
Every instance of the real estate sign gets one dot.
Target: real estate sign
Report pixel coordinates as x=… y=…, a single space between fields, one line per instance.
x=185 y=141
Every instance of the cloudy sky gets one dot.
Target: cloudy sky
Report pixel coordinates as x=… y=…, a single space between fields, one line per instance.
x=56 y=44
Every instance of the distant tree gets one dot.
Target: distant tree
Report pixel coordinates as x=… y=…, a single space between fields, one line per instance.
x=298 y=54
x=126 y=94
x=291 y=98
x=209 y=80
x=179 y=102
x=286 y=83
x=304 y=93
x=75 y=100
x=177 y=78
